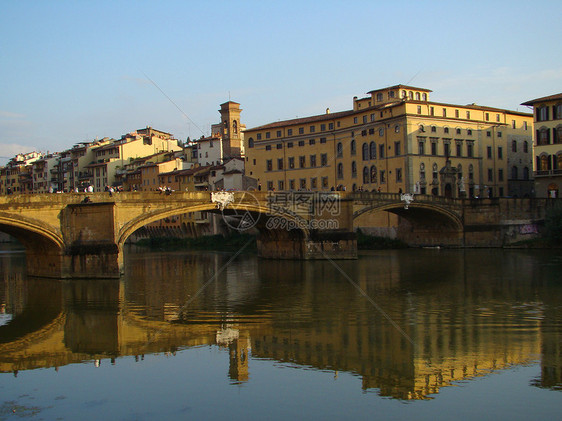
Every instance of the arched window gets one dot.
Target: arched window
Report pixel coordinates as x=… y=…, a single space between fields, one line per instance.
x=558 y=162
x=544 y=163
x=251 y=142
x=459 y=171
x=435 y=172
x=514 y=175
x=526 y=147
x=353 y=147
x=373 y=174
x=234 y=126
x=340 y=170
x=373 y=150
x=339 y=150
x=424 y=97
x=404 y=94
x=411 y=95
x=526 y=173
x=365 y=175
x=417 y=96
x=365 y=151
x=353 y=169
x=470 y=172
x=422 y=171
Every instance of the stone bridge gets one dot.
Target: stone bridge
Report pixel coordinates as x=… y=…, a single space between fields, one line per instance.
x=67 y=235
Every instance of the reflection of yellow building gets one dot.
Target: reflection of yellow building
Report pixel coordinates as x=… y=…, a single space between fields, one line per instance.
x=298 y=314
x=395 y=140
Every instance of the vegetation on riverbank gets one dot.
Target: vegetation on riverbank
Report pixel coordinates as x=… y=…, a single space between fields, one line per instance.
x=230 y=242
x=372 y=242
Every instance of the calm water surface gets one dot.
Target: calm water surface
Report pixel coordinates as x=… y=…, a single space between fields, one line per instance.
x=409 y=334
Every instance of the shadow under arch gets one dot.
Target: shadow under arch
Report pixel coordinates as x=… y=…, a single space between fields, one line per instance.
x=422 y=224
x=43 y=247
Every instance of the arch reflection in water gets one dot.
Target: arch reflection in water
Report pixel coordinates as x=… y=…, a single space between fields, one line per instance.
x=468 y=312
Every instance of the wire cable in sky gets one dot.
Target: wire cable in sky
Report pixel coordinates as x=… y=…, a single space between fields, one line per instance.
x=175 y=105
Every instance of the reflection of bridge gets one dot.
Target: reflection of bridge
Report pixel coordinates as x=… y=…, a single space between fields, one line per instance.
x=65 y=237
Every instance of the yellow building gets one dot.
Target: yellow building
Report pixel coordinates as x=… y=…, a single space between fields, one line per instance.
x=548 y=144
x=397 y=140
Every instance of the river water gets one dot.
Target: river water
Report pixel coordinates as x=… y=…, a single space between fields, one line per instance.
x=397 y=334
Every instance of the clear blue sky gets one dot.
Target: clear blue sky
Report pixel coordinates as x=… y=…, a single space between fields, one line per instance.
x=72 y=71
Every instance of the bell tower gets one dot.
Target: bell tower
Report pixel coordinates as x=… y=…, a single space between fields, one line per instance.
x=231 y=129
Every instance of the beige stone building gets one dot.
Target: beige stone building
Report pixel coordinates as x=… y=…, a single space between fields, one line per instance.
x=548 y=144
x=396 y=140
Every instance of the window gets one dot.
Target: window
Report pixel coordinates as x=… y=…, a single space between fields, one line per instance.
x=278 y=133
x=457 y=113
x=379 y=97
x=458 y=131
x=268 y=147
x=364 y=119
x=489 y=152
x=365 y=151
x=383 y=177
x=391 y=94
x=422 y=128
x=424 y=96
x=434 y=172
x=313 y=161
x=447 y=149
x=397 y=151
x=525 y=147
x=417 y=96
x=499 y=134
x=267 y=135
x=291 y=162
x=381 y=132
x=374 y=174
x=444 y=112
x=280 y=163
x=513 y=124
x=323 y=127
x=289 y=132
x=459 y=148
x=469 y=132
x=258 y=136
x=514 y=146
x=353 y=148
x=312 y=129
x=302 y=183
x=292 y=184
x=525 y=173
x=468 y=115
x=281 y=185
x=340 y=171
x=525 y=125
x=289 y=144
x=301 y=130
x=487 y=116
x=433 y=148
x=324 y=182
x=373 y=150
x=322 y=140
x=433 y=129
x=269 y=164
x=446 y=130
x=323 y=159
x=354 y=120
x=365 y=175
x=419 y=109
x=353 y=169
x=331 y=126
x=311 y=142
x=500 y=152
x=488 y=133
x=421 y=147
x=498 y=118
x=251 y=142
x=270 y=185
x=422 y=171
x=301 y=142
x=302 y=162
x=470 y=149
x=490 y=174
x=381 y=151
x=514 y=173
x=339 y=150
x=279 y=146
x=314 y=183
x=398 y=172
x=397 y=129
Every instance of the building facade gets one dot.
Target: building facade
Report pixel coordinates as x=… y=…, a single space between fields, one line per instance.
x=396 y=140
x=548 y=144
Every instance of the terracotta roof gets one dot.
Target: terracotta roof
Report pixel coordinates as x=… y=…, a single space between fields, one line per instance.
x=543 y=99
x=304 y=120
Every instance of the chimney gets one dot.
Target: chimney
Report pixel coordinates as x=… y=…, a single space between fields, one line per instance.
x=327 y=111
